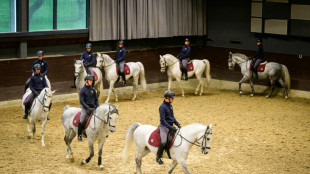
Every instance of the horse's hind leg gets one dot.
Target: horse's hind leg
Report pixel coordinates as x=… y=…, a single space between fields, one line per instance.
x=91 y=151
x=244 y=78
x=140 y=154
x=42 y=132
x=69 y=140
x=284 y=87
x=272 y=81
x=252 y=87
x=182 y=162
x=172 y=166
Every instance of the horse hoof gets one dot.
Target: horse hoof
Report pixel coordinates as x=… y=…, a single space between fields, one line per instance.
x=251 y=95
x=83 y=162
x=107 y=101
x=200 y=94
x=134 y=99
x=71 y=159
x=43 y=145
x=196 y=93
x=267 y=96
x=286 y=97
x=116 y=100
x=101 y=167
x=240 y=92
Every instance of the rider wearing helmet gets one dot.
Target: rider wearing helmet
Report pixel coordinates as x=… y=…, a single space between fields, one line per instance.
x=120 y=60
x=42 y=62
x=259 y=57
x=37 y=84
x=89 y=102
x=184 y=57
x=88 y=59
x=167 y=120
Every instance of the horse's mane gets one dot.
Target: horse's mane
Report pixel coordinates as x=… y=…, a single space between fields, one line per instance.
x=169 y=55
x=195 y=125
x=242 y=56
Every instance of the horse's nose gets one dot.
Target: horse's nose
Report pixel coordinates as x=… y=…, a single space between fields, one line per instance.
x=46 y=110
x=162 y=71
x=76 y=74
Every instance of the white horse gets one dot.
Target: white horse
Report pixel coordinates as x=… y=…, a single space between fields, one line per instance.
x=103 y=120
x=193 y=134
x=274 y=71
x=38 y=111
x=136 y=70
x=172 y=65
x=80 y=73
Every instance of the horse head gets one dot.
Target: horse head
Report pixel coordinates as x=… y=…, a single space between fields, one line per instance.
x=163 y=64
x=111 y=117
x=231 y=62
x=204 y=139
x=47 y=98
x=79 y=67
x=100 y=60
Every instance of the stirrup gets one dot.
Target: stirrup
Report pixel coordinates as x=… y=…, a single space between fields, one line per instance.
x=25 y=116
x=159 y=161
x=80 y=138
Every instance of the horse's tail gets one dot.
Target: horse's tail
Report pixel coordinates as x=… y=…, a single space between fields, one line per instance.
x=129 y=140
x=286 y=77
x=142 y=76
x=207 y=70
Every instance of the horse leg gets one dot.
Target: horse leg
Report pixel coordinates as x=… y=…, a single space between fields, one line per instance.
x=272 y=87
x=182 y=162
x=42 y=132
x=179 y=82
x=33 y=129
x=101 y=142
x=284 y=87
x=135 y=87
x=169 y=82
x=199 y=85
x=244 y=78
x=91 y=151
x=138 y=159
x=196 y=91
x=110 y=90
x=172 y=166
x=115 y=94
x=69 y=140
x=252 y=87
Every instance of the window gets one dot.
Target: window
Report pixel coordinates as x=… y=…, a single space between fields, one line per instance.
x=71 y=14
x=8 y=16
x=40 y=15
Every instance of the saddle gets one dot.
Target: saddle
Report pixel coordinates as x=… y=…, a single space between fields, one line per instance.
x=190 y=66
x=26 y=99
x=260 y=68
x=154 y=140
x=76 y=120
x=126 y=70
x=93 y=73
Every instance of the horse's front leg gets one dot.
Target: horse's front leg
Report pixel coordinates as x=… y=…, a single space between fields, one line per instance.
x=252 y=87
x=244 y=78
x=33 y=129
x=172 y=166
x=182 y=162
x=272 y=81
x=91 y=151
x=169 y=82
x=179 y=82
x=110 y=90
x=42 y=132
x=101 y=142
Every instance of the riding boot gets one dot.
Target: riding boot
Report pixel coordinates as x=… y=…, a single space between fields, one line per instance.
x=124 y=78
x=73 y=86
x=160 y=154
x=256 y=75
x=185 y=73
x=27 y=106
x=80 y=129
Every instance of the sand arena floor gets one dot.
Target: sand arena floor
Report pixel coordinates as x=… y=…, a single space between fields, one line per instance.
x=250 y=135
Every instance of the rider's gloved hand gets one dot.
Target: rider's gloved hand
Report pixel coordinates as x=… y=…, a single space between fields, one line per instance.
x=179 y=126
x=173 y=129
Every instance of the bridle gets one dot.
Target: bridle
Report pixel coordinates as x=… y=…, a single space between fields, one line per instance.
x=108 y=122
x=166 y=64
x=204 y=138
x=43 y=103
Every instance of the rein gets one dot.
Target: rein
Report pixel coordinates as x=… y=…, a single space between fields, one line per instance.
x=166 y=63
x=204 y=140
x=108 y=122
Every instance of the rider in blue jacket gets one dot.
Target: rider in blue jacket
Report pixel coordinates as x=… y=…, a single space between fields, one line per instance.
x=42 y=62
x=120 y=60
x=37 y=84
x=167 y=120
x=184 y=57
x=259 y=57
x=89 y=102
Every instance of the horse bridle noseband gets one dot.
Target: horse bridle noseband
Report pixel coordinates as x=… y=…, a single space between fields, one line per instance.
x=196 y=143
x=108 y=122
x=42 y=103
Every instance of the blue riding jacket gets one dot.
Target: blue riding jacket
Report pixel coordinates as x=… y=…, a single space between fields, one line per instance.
x=167 y=118
x=260 y=52
x=88 y=97
x=37 y=83
x=186 y=49
x=120 y=55
x=44 y=66
x=88 y=58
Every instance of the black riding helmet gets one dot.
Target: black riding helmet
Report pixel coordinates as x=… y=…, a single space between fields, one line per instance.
x=88 y=45
x=121 y=42
x=88 y=77
x=187 y=39
x=169 y=94
x=37 y=66
x=40 y=53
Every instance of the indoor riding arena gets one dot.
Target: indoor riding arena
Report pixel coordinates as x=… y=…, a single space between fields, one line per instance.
x=251 y=132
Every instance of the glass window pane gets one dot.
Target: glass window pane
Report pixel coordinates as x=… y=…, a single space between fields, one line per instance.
x=71 y=14
x=40 y=15
x=7 y=15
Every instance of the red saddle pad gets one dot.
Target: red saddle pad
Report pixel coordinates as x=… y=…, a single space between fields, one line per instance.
x=93 y=73
x=24 y=102
x=261 y=67
x=126 y=70
x=190 y=67
x=76 y=120
x=154 y=139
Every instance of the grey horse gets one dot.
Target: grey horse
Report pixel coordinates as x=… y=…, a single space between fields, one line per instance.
x=274 y=71
x=103 y=120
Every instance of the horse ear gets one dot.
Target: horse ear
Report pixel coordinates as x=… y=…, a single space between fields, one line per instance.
x=160 y=56
x=210 y=125
x=98 y=54
x=54 y=91
x=74 y=60
x=117 y=107
x=230 y=53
